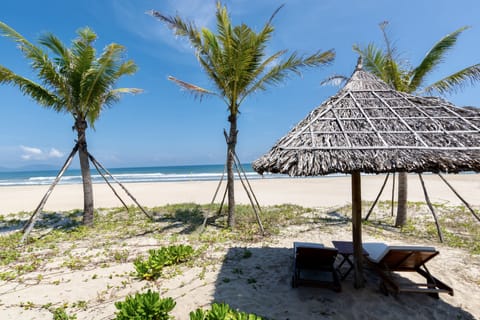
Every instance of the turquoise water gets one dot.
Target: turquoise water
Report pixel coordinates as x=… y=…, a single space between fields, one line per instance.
x=141 y=174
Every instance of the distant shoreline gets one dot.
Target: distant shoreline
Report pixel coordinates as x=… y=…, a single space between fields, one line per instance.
x=307 y=192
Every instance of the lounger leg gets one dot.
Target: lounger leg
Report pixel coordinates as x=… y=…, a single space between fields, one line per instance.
x=431 y=280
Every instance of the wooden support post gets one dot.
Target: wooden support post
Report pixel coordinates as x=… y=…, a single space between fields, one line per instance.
x=27 y=228
x=459 y=197
x=378 y=196
x=359 y=281
x=248 y=182
x=237 y=165
x=205 y=218
x=393 y=193
x=121 y=185
x=108 y=183
x=440 y=235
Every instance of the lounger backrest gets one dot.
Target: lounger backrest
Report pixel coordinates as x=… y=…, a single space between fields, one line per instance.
x=308 y=257
x=399 y=257
x=407 y=259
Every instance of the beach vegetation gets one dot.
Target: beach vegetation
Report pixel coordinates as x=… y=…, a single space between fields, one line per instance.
x=387 y=64
x=147 y=305
x=151 y=268
x=246 y=254
x=222 y=311
x=109 y=243
x=61 y=314
x=75 y=81
x=235 y=59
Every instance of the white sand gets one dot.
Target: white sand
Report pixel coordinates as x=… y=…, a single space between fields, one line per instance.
x=259 y=284
x=310 y=192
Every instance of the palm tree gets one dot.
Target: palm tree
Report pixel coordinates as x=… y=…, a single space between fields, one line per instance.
x=387 y=65
x=74 y=81
x=235 y=60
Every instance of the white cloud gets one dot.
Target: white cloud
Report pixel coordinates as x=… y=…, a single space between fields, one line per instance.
x=54 y=153
x=32 y=153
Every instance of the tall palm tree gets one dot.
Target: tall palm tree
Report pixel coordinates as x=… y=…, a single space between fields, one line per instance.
x=235 y=60
x=386 y=64
x=73 y=81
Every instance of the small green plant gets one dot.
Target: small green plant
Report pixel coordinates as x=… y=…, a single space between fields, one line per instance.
x=119 y=256
x=222 y=311
x=61 y=314
x=237 y=271
x=151 y=268
x=246 y=254
x=27 y=305
x=146 y=305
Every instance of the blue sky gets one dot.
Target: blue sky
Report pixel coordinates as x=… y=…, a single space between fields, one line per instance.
x=165 y=126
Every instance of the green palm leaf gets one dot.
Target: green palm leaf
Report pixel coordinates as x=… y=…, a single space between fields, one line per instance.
x=456 y=81
x=434 y=57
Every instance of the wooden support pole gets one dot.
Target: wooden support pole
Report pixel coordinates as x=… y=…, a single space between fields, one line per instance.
x=427 y=199
x=205 y=218
x=459 y=197
x=248 y=182
x=109 y=184
x=27 y=228
x=121 y=185
x=393 y=193
x=359 y=281
x=378 y=196
x=262 y=230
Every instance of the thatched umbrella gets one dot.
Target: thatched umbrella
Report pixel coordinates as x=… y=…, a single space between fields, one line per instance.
x=370 y=127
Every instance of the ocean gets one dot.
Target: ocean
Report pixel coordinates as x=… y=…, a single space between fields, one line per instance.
x=141 y=174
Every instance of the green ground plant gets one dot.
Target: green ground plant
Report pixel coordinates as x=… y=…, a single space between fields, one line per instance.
x=151 y=268
x=222 y=311
x=148 y=306
x=61 y=314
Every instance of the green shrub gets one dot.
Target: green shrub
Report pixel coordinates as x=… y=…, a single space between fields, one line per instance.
x=61 y=314
x=144 y=306
x=222 y=311
x=151 y=268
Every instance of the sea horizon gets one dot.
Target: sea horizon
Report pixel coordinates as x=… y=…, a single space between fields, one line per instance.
x=174 y=173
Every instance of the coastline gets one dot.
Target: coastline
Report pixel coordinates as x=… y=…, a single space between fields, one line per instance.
x=308 y=192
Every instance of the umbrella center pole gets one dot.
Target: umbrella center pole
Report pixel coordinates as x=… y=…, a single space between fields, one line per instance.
x=359 y=280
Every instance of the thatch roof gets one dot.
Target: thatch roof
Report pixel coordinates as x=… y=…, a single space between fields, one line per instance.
x=369 y=127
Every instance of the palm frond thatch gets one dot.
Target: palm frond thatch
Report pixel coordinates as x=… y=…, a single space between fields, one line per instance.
x=370 y=127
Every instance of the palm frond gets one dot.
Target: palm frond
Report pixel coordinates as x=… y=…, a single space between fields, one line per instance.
x=294 y=63
x=434 y=57
x=374 y=59
x=196 y=91
x=39 y=59
x=180 y=28
x=30 y=88
x=456 y=81
x=74 y=81
x=334 y=80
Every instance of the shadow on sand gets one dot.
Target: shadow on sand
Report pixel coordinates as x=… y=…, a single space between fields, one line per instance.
x=258 y=280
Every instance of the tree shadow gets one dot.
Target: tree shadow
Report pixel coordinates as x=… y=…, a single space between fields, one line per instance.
x=188 y=219
x=258 y=280
x=46 y=221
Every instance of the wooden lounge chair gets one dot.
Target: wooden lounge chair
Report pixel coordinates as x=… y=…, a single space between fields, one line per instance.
x=313 y=265
x=386 y=260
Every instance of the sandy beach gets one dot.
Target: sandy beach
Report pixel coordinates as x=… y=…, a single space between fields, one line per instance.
x=258 y=284
x=307 y=192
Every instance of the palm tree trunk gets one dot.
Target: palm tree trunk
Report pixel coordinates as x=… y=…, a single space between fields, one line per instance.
x=81 y=126
x=231 y=144
x=402 y=199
